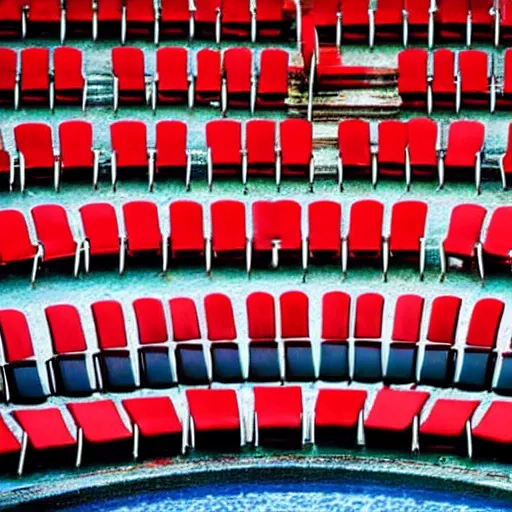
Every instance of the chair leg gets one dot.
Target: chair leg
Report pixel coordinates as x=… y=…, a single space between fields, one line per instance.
x=443 y=262
x=23 y=453
x=76 y=267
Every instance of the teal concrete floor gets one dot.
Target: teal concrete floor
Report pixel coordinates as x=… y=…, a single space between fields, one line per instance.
x=60 y=287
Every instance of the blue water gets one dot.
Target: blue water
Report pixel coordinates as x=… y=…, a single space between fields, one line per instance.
x=297 y=496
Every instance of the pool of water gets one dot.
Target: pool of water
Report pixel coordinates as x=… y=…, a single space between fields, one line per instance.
x=302 y=495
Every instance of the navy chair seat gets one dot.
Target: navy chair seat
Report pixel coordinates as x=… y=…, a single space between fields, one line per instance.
x=264 y=362
x=155 y=368
x=368 y=361
x=299 y=365
x=226 y=366
x=24 y=383
x=71 y=375
x=334 y=366
x=116 y=371
x=191 y=364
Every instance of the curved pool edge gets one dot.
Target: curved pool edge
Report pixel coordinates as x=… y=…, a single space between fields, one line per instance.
x=174 y=473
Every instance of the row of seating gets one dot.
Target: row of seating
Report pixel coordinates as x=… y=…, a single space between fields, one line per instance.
x=353 y=347
x=458 y=80
x=340 y=21
x=226 y=78
x=412 y=150
x=217 y=418
x=277 y=235
x=143 y=18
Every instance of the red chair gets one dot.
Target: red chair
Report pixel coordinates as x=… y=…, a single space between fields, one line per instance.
x=176 y=19
x=67 y=369
x=277 y=231
x=171 y=83
x=476 y=84
x=368 y=338
x=215 y=416
x=54 y=235
x=7 y=172
x=13 y=19
x=437 y=355
x=478 y=357
x=260 y=149
x=81 y=18
x=364 y=240
x=208 y=79
x=128 y=75
x=355 y=156
x=422 y=149
x=228 y=234
x=35 y=77
x=9 y=90
x=272 y=91
x=186 y=241
x=278 y=415
x=406 y=241
x=503 y=27
x=143 y=234
x=77 y=154
x=299 y=366
x=394 y=419
x=101 y=231
x=171 y=156
x=295 y=156
x=463 y=238
x=506 y=161
x=484 y=21
x=448 y=426
x=44 y=433
x=190 y=353
x=154 y=419
x=221 y=332
x=15 y=243
x=389 y=20
x=269 y=18
x=392 y=150
x=112 y=364
x=444 y=80
x=403 y=346
x=35 y=152
x=207 y=18
x=139 y=19
x=504 y=97
x=453 y=20
x=70 y=85
x=419 y=21
x=464 y=151
x=497 y=246
x=109 y=18
x=44 y=17
x=155 y=368
x=338 y=415
x=326 y=17
x=20 y=376
x=334 y=360
x=130 y=154
x=492 y=436
x=100 y=428
x=224 y=143
x=264 y=365
x=238 y=19
x=238 y=84
x=357 y=21
x=413 y=84
x=324 y=239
